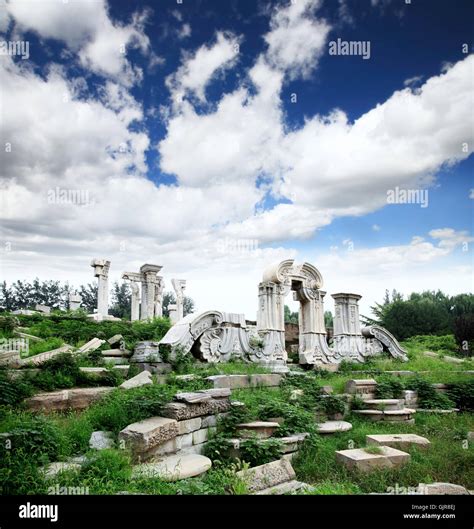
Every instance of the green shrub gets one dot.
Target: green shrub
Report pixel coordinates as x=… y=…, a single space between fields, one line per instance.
x=35 y=348
x=389 y=388
x=121 y=408
x=428 y=397
x=181 y=361
x=259 y=451
x=107 y=465
x=12 y=392
x=462 y=394
x=331 y=404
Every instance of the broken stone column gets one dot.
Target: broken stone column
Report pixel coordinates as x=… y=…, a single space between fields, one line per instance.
x=150 y=280
x=179 y=285
x=101 y=271
x=348 y=340
x=134 y=279
x=135 y=308
x=160 y=286
x=173 y=313
x=75 y=301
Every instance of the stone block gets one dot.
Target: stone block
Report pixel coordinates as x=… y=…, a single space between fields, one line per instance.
x=91 y=345
x=173 y=468
x=200 y=436
x=268 y=475
x=184 y=441
x=363 y=461
x=182 y=411
x=331 y=427
x=403 y=441
x=364 y=388
x=100 y=440
x=229 y=381
x=67 y=399
x=190 y=425
x=142 y=379
x=442 y=489
x=266 y=380
x=145 y=436
x=115 y=340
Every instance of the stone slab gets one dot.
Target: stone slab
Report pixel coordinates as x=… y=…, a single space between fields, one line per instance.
x=403 y=441
x=259 y=429
x=331 y=427
x=189 y=425
x=289 y=487
x=66 y=399
x=174 y=468
x=359 y=459
x=268 y=475
x=144 y=436
x=142 y=379
x=182 y=411
x=100 y=440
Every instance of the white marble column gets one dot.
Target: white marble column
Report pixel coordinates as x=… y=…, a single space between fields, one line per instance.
x=179 y=285
x=347 y=341
x=149 y=283
x=134 y=278
x=135 y=308
x=173 y=313
x=160 y=286
x=101 y=271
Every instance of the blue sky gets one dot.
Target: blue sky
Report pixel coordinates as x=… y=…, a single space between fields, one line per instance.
x=179 y=123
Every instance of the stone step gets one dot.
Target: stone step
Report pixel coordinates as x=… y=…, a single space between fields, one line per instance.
x=384 y=404
x=66 y=399
x=364 y=388
x=330 y=427
x=268 y=475
x=403 y=415
x=403 y=441
x=173 y=468
x=363 y=461
x=288 y=487
x=145 y=437
x=259 y=429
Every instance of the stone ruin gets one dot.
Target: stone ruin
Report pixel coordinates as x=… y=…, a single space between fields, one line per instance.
x=215 y=336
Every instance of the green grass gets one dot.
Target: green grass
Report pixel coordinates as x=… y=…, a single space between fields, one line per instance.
x=48 y=344
x=448 y=459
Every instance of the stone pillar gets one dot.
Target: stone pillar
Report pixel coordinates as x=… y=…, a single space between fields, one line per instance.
x=313 y=348
x=348 y=340
x=135 y=309
x=160 y=286
x=134 y=279
x=149 y=283
x=173 y=313
x=75 y=301
x=271 y=307
x=179 y=285
x=101 y=271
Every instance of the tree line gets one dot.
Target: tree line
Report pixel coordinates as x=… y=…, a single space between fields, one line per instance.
x=55 y=294
x=428 y=312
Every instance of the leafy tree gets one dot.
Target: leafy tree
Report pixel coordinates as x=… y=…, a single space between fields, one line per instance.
x=88 y=294
x=121 y=301
x=290 y=317
x=169 y=299
x=328 y=319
